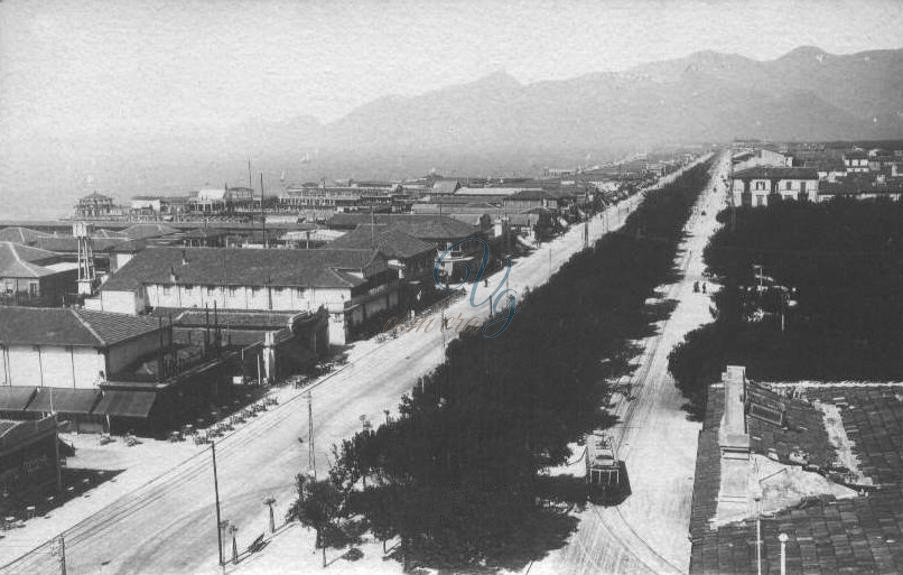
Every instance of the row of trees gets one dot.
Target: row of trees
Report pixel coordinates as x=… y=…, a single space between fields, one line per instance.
x=457 y=475
x=845 y=261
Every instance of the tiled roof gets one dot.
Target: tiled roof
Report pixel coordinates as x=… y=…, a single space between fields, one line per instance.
x=391 y=242
x=777 y=172
x=445 y=186
x=144 y=231
x=18 y=261
x=246 y=267
x=20 y=235
x=70 y=326
x=69 y=244
x=862 y=534
x=234 y=319
x=424 y=227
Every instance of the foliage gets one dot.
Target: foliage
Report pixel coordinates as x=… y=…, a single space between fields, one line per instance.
x=455 y=475
x=845 y=259
x=320 y=504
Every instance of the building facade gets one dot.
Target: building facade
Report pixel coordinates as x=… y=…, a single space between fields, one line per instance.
x=757 y=186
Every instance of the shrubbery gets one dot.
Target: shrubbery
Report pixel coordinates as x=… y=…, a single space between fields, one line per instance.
x=456 y=475
x=844 y=258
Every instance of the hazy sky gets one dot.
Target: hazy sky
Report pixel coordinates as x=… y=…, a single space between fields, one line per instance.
x=85 y=67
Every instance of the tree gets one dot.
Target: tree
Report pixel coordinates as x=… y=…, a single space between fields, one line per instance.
x=319 y=505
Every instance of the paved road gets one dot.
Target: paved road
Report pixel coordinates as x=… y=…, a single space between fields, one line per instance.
x=169 y=526
x=647 y=533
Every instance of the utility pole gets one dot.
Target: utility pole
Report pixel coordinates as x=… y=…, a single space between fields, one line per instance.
x=311 y=453
x=263 y=214
x=219 y=528
x=550 y=264
x=61 y=552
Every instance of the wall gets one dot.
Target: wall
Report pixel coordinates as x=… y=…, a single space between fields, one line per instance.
x=123 y=354
x=53 y=366
x=130 y=302
x=247 y=298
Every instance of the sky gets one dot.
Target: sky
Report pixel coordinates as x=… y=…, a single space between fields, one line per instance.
x=73 y=68
x=87 y=86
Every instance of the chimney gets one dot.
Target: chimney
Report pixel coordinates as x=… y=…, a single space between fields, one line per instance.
x=733 y=436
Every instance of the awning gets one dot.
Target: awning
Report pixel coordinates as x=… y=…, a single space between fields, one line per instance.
x=63 y=400
x=15 y=398
x=118 y=403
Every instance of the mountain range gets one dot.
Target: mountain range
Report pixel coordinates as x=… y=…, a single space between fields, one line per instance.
x=493 y=125
x=808 y=94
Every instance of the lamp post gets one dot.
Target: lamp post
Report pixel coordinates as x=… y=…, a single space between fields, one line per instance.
x=783 y=539
x=233 y=530
x=269 y=502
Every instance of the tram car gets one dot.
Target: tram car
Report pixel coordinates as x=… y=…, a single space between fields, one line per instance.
x=605 y=475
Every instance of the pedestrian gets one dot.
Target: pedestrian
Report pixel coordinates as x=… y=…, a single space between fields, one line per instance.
x=486 y=282
x=703 y=287
x=696 y=287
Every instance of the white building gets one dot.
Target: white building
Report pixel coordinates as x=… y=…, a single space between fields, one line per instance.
x=754 y=186
x=70 y=348
x=353 y=285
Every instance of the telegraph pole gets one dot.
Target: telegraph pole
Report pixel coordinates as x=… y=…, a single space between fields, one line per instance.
x=311 y=452
x=263 y=214
x=219 y=529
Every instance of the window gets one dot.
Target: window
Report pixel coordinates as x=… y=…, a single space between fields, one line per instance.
x=211 y=290
x=760 y=200
x=189 y=287
x=233 y=291
x=760 y=185
x=33 y=289
x=167 y=290
x=789 y=185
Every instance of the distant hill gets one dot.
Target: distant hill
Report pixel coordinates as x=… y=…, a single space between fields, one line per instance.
x=493 y=125
x=806 y=94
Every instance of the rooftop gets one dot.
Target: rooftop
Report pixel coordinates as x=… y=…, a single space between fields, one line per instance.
x=391 y=242
x=70 y=326
x=19 y=261
x=424 y=227
x=777 y=172
x=316 y=268
x=849 y=435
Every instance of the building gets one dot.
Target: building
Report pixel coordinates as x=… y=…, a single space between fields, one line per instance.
x=757 y=186
x=412 y=258
x=20 y=235
x=761 y=157
x=32 y=276
x=353 y=285
x=69 y=347
x=29 y=461
x=856 y=161
x=818 y=462
x=96 y=206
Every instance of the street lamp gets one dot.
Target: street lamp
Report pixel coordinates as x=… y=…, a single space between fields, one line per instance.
x=269 y=502
x=783 y=539
x=233 y=530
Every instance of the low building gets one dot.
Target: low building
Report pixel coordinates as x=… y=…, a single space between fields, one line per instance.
x=804 y=473
x=29 y=461
x=96 y=206
x=856 y=161
x=412 y=258
x=69 y=347
x=757 y=186
x=32 y=276
x=353 y=285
